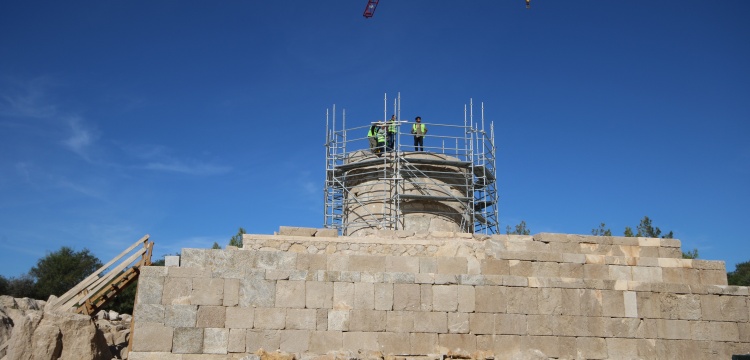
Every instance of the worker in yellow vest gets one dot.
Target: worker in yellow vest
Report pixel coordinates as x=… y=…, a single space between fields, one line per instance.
x=381 y=135
x=372 y=136
x=392 y=130
x=419 y=130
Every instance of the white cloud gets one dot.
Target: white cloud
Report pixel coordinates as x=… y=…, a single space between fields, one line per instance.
x=81 y=137
x=192 y=169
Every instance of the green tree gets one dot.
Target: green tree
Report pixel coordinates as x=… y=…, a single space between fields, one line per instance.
x=691 y=254
x=628 y=232
x=61 y=270
x=645 y=229
x=19 y=287
x=236 y=240
x=603 y=230
x=520 y=229
x=216 y=246
x=741 y=275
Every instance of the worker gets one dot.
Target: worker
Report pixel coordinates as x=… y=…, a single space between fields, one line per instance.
x=419 y=130
x=392 y=130
x=372 y=136
x=381 y=138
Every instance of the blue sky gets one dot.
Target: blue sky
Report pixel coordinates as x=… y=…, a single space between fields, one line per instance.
x=188 y=119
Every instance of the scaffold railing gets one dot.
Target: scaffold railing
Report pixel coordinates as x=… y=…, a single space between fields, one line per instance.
x=450 y=185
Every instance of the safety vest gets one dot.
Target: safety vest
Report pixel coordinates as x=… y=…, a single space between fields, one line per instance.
x=381 y=136
x=414 y=129
x=370 y=133
x=392 y=126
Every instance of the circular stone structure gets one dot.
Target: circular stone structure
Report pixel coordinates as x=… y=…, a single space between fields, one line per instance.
x=413 y=191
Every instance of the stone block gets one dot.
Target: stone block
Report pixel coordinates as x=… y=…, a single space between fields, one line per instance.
x=295 y=341
x=549 y=301
x=321 y=319
x=239 y=318
x=444 y=297
x=647 y=349
x=274 y=260
x=630 y=303
x=367 y=320
x=383 y=296
x=150 y=290
x=458 y=342
x=207 y=291
x=322 y=342
x=743 y=330
x=404 y=264
x=400 y=321
x=613 y=303
x=180 y=315
x=152 y=337
x=621 y=327
x=236 y=341
x=211 y=317
x=570 y=326
x=364 y=296
x=673 y=329
x=452 y=265
x=674 y=253
x=231 y=292
x=592 y=302
x=421 y=278
x=355 y=341
x=547 y=345
x=374 y=277
x=648 y=304
x=301 y=319
x=622 y=348
x=592 y=348
x=423 y=343
x=490 y=299
x=350 y=276
x=715 y=330
x=446 y=279
x=268 y=340
x=290 y=294
x=337 y=263
x=326 y=233
x=431 y=322
x=187 y=340
x=297 y=231
x=491 y=266
x=188 y=272
x=257 y=293
x=393 y=343
x=370 y=263
x=520 y=268
x=338 y=320
x=724 y=308
x=177 y=290
x=318 y=295
x=541 y=325
x=311 y=262
x=215 y=341
x=148 y=313
x=510 y=324
x=269 y=318
x=428 y=265
x=458 y=323
x=406 y=297
x=596 y=271
x=343 y=295
x=522 y=300
x=713 y=277
x=570 y=302
x=503 y=346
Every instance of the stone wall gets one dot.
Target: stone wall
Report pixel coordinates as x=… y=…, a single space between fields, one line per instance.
x=399 y=293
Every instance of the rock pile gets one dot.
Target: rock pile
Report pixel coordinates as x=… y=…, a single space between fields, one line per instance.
x=30 y=331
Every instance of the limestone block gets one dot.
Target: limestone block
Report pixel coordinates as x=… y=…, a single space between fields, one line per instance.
x=431 y=322
x=475 y=280
x=269 y=318
x=458 y=342
x=406 y=297
x=311 y=262
x=549 y=301
x=631 y=304
x=236 y=342
x=338 y=320
x=187 y=340
x=522 y=300
x=492 y=266
x=446 y=279
x=207 y=291
x=423 y=343
x=193 y=258
x=297 y=231
x=180 y=315
x=399 y=278
x=724 y=308
x=547 y=345
x=322 y=342
x=592 y=348
x=354 y=341
x=394 y=343
x=545 y=269
x=520 y=268
x=400 y=321
x=211 y=317
x=374 y=277
x=364 y=296
x=592 y=303
x=215 y=341
x=274 y=260
x=383 y=296
x=318 y=295
x=326 y=233
x=713 y=277
x=649 y=304
x=343 y=295
x=148 y=313
x=290 y=294
x=295 y=341
x=613 y=303
x=458 y=323
x=425 y=297
x=321 y=319
x=514 y=281
x=369 y=263
x=337 y=263
x=256 y=292
x=350 y=276
x=571 y=270
x=444 y=297
x=673 y=329
x=239 y=318
x=596 y=271
x=428 y=265
x=151 y=337
x=595 y=326
x=269 y=340
x=421 y=278
x=367 y=320
x=490 y=299
x=404 y=264
x=622 y=348
x=510 y=324
x=570 y=302
x=541 y=324
x=571 y=326
x=150 y=290
x=709 y=265
x=301 y=319
x=452 y=265
x=231 y=292
x=621 y=327
x=503 y=346
x=187 y=272
x=715 y=330
x=176 y=290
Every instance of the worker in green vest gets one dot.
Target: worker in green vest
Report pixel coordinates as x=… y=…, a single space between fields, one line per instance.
x=381 y=138
x=419 y=130
x=372 y=136
x=392 y=130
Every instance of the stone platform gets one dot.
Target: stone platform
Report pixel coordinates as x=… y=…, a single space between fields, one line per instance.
x=313 y=294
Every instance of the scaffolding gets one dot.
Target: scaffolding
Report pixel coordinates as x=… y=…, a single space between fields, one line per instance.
x=450 y=186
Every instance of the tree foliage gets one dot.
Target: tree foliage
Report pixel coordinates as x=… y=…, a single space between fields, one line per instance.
x=236 y=240
x=19 y=287
x=61 y=270
x=628 y=232
x=691 y=254
x=520 y=229
x=741 y=275
x=216 y=246
x=602 y=230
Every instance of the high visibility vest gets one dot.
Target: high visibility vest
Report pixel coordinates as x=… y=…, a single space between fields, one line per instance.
x=392 y=126
x=381 y=136
x=414 y=128
x=370 y=133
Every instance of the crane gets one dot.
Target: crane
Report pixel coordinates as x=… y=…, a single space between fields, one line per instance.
x=372 y=4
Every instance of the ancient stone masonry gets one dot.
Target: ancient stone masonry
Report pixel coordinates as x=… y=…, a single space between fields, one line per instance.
x=310 y=293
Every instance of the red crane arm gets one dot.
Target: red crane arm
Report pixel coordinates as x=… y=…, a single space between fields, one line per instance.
x=370 y=8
